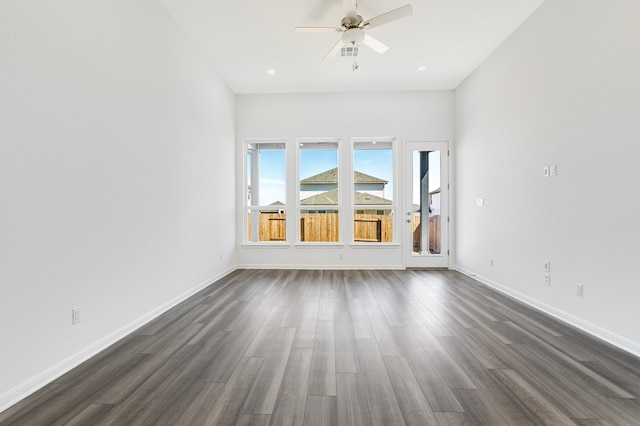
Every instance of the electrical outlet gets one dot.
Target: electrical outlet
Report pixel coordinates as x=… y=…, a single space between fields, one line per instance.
x=579 y=290
x=547 y=266
x=491 y=262
x=75 y=315
x=546 y=171
x=553 y=171
x=547 y=279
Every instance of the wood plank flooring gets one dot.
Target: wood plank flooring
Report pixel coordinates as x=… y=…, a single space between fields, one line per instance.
x=348 y=348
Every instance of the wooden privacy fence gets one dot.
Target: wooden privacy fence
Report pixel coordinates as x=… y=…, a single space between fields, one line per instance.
x=323 y=227
x=434 y=233
x=319 y=227
x=271 y=227
x=373 y=228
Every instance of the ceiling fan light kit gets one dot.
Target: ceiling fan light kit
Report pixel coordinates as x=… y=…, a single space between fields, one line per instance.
x=353 y=27
x=353 y=37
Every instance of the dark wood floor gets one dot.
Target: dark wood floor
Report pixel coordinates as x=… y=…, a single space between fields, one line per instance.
x=346 y=347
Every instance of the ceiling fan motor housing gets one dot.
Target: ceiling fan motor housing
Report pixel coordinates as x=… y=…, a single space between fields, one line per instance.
x=349 y=22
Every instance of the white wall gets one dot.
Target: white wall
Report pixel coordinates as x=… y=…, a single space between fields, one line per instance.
x=116 y=148
x=422 y=116
x=563 y=90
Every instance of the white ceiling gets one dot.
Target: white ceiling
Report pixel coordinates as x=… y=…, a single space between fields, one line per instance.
x=245 y=38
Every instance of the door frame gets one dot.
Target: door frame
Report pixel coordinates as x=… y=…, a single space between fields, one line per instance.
x=411 y=259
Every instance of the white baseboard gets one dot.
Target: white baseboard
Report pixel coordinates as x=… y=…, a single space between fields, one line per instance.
x=577 y=322
x=18 y=393
x=331 y=267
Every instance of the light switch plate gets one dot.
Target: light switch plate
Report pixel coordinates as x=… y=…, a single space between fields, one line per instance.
x=75 y=316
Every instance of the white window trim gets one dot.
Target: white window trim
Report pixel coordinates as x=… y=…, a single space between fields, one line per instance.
x=337 y=207
x=393 y=207
x=246 y=238
x=292 y=195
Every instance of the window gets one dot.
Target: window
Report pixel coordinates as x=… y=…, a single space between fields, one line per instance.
x=373 y=205
x=426 y=196
x=323 y=202
x=319 y=204
x=265 y=196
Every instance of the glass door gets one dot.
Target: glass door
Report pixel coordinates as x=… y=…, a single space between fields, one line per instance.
x=426 y=243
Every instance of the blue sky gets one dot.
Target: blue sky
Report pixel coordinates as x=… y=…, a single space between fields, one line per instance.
x=314 y=161
x=272 y=176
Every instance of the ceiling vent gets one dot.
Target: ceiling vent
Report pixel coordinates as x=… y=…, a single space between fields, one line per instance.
x=349 y=51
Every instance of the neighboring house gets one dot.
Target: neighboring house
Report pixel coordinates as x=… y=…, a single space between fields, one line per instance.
x=328 y=180
x=434 y=206
x=331 y=198
x=435 y=202
x=278 y=207
x=322 y=189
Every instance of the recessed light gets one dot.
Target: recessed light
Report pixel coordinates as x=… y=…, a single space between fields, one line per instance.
x=422 y=68
x=271 y=71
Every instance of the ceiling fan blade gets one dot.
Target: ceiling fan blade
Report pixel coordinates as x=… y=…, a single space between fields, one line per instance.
x=334 y=50
x=392 y=15
x=374 y=44
x=350 y=8
x=318 y=30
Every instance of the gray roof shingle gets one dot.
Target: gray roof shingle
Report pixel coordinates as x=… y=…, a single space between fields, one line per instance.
x=331 y=176
x=331 y=198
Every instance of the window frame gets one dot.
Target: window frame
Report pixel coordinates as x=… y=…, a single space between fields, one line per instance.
x=392 y=143
x=345 y=207
x=248 y=209
x=318 y=207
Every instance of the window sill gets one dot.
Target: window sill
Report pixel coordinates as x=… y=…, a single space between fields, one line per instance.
x=319 y=245
x=284 y=245
x=266 y=244
x=374 y=245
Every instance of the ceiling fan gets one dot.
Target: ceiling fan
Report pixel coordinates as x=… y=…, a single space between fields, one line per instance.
x=353 y=28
